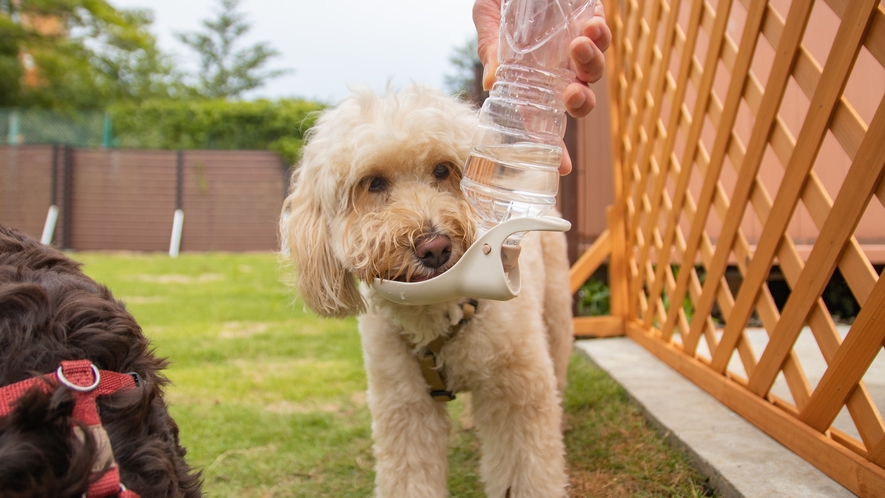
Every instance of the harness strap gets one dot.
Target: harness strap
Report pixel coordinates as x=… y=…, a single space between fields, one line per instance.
x=86 y=383
x=432 y=374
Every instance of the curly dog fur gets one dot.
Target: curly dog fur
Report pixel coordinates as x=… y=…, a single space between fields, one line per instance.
x=49 y=312
x=376 y=195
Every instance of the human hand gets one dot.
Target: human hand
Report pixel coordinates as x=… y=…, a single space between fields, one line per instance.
x=586 y=52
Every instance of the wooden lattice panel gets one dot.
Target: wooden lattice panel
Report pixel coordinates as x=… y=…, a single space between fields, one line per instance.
x=751 y=134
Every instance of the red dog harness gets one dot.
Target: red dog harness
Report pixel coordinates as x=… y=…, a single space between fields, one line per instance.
x=86 y=383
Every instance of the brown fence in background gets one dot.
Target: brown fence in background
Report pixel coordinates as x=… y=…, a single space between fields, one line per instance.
x=752 y=133
x=115 y=199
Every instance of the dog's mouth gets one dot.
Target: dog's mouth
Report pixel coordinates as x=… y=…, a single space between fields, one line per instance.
x=422 y=276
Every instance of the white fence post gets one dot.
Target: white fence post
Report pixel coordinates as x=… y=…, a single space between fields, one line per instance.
x=177 y=224
x=49 y=226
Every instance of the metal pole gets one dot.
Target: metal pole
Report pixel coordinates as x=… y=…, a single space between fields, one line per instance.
x=52 y=214
x=67 y=200
x=53 y=196
x=106 y=135
x=49 y=225
x=178 y=217
x=12 y=139
x=179 y=180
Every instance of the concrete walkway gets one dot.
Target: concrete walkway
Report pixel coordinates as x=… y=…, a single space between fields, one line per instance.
x=740 y=460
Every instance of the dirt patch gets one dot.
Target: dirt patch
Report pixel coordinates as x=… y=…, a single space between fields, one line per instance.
x=598 y=484
x=174 y=278
x=281 y=368
x=246 y=452
x=358 y=398
x=289 y=408
x=238 y=330
x=308 y=329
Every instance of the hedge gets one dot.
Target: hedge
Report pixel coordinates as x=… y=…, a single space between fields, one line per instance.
x=277 y=125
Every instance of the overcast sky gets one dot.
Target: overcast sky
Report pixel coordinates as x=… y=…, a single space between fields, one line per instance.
x=331 y=44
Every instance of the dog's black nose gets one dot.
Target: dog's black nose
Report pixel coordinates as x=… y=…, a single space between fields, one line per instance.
x=434 y=250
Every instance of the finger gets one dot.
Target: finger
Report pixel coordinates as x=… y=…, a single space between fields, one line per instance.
x=565 y=163
x=598 y=31
x=487 y=18
x=588 y=59
x=489 y=68
x=579 y=99
x=599 y=10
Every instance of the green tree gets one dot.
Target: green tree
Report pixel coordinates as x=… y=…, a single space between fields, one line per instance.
x=464 y=60
x=225 y=70
x=11 y=70
x=81 y=54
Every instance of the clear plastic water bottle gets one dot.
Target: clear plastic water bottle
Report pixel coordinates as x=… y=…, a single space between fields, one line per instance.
x=513 y=170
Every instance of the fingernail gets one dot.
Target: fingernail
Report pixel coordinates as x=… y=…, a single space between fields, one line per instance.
x=592 y=31
x=575 y=100
x=583 y=53
x=487 y=79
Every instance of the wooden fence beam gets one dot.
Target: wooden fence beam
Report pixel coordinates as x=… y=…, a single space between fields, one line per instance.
x=617 y=276
x=599 y=326
x=852 y=360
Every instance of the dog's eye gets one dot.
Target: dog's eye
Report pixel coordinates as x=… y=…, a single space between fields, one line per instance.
x=441 y=171
x=377 y=184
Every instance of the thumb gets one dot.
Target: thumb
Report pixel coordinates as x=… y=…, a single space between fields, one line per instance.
x=487 y=19
x=490 y=65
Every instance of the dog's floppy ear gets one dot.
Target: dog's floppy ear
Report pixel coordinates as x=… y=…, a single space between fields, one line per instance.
x=323 y=283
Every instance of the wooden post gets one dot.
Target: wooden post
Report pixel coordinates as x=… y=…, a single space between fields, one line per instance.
x=617 y=271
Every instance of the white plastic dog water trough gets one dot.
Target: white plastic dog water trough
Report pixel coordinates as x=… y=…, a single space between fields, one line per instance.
x=478 y=274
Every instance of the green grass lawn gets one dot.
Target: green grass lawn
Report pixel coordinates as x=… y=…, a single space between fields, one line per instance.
x=271 y=399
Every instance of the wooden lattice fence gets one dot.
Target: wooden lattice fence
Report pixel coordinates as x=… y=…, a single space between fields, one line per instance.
x=733 y=123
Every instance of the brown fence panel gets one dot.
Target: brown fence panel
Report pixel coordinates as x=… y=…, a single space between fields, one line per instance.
x=232 y=200
x=26 y=186
x=121 y=199
x=117 y=199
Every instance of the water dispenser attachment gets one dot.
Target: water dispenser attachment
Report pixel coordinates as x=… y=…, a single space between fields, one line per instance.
x=478 y=274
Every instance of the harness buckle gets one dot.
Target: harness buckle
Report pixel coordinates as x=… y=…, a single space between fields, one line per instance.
x=76 y=387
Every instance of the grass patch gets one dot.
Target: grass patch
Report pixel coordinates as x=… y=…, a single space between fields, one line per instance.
x=271 y=400
x=612 y=450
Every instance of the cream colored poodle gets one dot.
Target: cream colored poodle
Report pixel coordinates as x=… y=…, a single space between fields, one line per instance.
x=376 y=195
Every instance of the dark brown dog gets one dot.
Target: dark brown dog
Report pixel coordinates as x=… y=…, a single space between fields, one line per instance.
x=51 y=312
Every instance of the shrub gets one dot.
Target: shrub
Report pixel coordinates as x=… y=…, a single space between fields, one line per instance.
x=277 y=125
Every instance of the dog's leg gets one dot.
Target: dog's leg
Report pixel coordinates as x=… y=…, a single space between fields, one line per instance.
x=409 y=429
x=518 y=419
x=557 y=304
